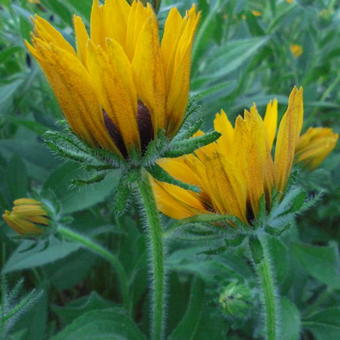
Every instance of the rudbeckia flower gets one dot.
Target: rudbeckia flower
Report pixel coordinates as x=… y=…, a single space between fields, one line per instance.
x=27 y=217
x=296 y=50
x=314 y=146
x=238 y=169
x=121 y=84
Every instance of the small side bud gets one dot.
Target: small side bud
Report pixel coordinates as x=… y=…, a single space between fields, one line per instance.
x=27 y=217
x=235 y=300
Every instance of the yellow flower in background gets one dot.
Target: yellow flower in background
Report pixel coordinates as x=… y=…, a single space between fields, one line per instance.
x=296 y=50
x=121 y=85
x=290 y=1
x=34 y=1
x=315 y=145
x=238 y=169
x=256 y=13
x=26 y=216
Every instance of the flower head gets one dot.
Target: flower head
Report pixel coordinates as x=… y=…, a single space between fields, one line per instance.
x=296 y=50
x=121 y=85
x=238 y=169
x=27 y=217
x=315 y=145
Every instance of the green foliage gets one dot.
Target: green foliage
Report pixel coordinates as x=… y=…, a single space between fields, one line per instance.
x=71 y=293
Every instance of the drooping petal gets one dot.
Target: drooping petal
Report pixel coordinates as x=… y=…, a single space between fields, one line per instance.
x=177 y=58
x=149 y=73
x=176 y=202
x=111 y=72
x=74 y=90
x=288 y=134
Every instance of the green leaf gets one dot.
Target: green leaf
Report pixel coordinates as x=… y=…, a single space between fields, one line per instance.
x=191 y=144
x=22 y=258
x=75 y=199
x=16 y=178
x=186 y=329
x=102 y=324
x=320 y=262
x=324 y=324
x=72 y=310
x=280 y=261
x=7 y=91
x=290 y=320
x=233 y=55
x=121 y=196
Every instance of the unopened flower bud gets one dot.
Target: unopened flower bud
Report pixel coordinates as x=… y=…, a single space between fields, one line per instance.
x=235 y=299
x=27 y=217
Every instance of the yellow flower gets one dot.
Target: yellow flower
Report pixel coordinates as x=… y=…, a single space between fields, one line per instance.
x=238 y=169
x=34 y=1
x=26 y=217
x=290 y=1
x=314 y=146
x=256 y=13
x=121 y=85
x=296 y=50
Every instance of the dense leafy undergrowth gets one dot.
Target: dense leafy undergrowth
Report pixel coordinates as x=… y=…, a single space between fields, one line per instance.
x=55 y=289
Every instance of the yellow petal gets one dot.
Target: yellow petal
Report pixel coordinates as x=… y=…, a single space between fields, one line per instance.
x=21 y=201
x=97 y=24
x=26 y=209
x=314 y=146
x=74 y=90
x=227 y=194
x=177 y=60
x=289 y=131
x=270 y=121
x=179 y=168
x=223 y=126
x=111 y=72
x=252 y=154
x=82 y=39
x=176 y=202
x=148 y=71
x=46 y=32
x=115 y=16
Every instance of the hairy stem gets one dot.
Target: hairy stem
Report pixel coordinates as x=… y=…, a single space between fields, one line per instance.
x=155 y=239
x=269 y=293
x=104 y=253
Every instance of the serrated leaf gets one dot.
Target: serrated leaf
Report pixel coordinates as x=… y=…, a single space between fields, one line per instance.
x=190 y=145
x=121 y=196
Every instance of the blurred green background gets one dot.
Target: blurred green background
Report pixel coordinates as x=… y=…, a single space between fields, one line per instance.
x=242 y=54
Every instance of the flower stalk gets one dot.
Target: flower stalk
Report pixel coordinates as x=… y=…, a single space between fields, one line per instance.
x=260 y=254
x=104 y=253
x=156 y=247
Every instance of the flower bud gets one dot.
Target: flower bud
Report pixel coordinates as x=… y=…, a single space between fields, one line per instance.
x=314 y=146
x=235 y=299
x=27 y=217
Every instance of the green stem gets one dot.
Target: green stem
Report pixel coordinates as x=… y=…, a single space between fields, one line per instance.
x=156 y=247
x=264 y=270
x=104 y=253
